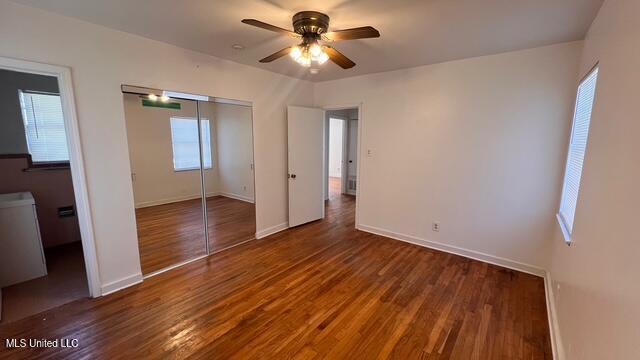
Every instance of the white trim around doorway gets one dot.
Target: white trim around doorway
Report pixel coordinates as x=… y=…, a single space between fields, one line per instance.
x=76 y=161
x=359 y=151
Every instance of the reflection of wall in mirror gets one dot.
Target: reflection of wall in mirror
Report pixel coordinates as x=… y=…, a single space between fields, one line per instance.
x=235 y=151
x=151 y=154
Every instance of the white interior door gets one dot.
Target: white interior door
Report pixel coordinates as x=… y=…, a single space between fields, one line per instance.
x=306 y=164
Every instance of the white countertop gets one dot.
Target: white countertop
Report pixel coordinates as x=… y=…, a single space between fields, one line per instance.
x=16 y=199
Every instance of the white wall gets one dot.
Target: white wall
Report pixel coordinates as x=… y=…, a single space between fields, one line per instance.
x=335 y=146
x=234 y=141
x=151 y=153
x=595 y=281
x=476 y=144
x=101 y=60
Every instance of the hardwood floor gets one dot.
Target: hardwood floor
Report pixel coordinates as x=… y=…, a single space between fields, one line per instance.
x=172 y=233
x=321 y=290
x=335 y=187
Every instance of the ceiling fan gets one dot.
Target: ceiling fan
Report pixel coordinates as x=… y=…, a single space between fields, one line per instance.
x=311 y=27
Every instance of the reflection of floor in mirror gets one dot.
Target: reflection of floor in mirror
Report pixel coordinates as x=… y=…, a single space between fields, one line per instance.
x=172 y=233
x=230 y=222
x=66 y=281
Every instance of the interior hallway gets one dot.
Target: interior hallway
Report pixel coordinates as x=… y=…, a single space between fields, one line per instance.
x=311 y=291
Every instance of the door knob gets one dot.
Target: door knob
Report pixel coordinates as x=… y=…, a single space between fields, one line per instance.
x=293 y=176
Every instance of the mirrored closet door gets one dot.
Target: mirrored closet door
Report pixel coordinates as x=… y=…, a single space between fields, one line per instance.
x=230 y=188
x=192 y=175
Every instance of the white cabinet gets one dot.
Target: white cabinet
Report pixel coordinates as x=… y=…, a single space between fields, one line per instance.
x=21 y=253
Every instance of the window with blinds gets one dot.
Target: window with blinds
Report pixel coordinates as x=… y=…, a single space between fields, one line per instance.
x=184 y=140
x=577 y=148
x=44 y=127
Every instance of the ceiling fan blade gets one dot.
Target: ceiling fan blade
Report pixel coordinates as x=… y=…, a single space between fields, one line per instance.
x=338 y=58
x=364 y=32
x=264 y=25
x=276 y=55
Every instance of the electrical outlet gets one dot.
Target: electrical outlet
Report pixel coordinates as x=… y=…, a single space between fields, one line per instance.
x=369 y=153
x=435 y=226
x=244 y=188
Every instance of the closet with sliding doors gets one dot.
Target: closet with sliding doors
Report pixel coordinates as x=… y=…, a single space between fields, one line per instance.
x=192 y=174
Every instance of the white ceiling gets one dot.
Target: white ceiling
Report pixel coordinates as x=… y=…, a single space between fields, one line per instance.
x=413 y=32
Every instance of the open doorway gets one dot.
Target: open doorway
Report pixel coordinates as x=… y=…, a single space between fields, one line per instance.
x=336 y=144
x=341 y=152
x=341 y=165
x=43 y=218
x=323 y=164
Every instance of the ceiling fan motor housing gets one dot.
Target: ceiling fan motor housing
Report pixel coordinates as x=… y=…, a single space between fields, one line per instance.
x=310 y=23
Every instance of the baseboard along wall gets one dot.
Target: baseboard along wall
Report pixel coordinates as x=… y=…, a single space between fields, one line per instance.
x=271 y=230
x=145 y=204
x=120 y=284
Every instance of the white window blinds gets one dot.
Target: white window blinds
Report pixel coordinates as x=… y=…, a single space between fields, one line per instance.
x=184 y=140
x=44 y=127
x=577 y=147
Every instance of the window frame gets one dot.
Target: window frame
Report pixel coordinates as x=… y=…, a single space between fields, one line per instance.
x=567 y=234
x=63 y=164
x=199 y=122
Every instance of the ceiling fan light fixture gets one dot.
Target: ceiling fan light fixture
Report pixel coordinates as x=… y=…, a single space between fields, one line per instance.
x=306 y=54
x=296 y=53
x=305 y=60
x=315 y=50
x=322 y=58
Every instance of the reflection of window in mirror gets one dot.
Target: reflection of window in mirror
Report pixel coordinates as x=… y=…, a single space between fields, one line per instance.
x=44 y=127
x=184 y=141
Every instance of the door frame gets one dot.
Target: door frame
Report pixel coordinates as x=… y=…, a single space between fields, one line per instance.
x=76 y=159
x=360 y=107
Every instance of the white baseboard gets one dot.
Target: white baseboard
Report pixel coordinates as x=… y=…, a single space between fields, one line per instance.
x=554 y=328
x=271 y=230
x=117 y=285
x=171 y=200
x=235 y=196
x=471 y=254
x=145 y=204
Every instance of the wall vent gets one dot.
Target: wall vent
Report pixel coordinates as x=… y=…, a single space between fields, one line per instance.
x=351 y=184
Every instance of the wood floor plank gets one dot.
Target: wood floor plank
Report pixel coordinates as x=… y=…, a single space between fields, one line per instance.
x=172 y=233
x=321 y=290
